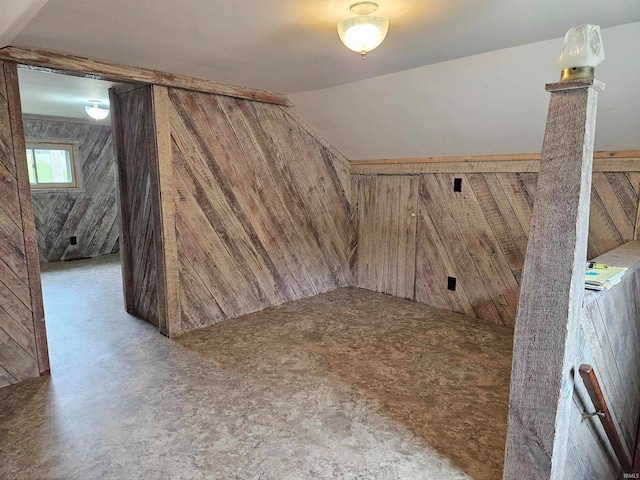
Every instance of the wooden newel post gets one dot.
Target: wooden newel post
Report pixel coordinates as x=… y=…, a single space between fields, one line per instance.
x=552 y=287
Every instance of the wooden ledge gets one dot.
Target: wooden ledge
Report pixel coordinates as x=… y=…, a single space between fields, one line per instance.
x=610 y=161
x=626 y=255
x=489 y=158
x=84 y=67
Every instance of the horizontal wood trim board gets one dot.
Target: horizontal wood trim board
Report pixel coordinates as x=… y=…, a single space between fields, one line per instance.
x=608 y=164
x=84 y=67
x=489 y=158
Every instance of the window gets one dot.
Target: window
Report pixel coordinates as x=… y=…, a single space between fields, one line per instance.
x=51 y=165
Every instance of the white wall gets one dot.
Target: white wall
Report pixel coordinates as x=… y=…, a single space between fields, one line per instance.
x=493 y=103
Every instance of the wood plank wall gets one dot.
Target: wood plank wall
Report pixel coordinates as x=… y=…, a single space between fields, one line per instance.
x=261 y=216
x=133 y=126
x=387 y=249
x=479 y=235
x=23 y=348
x=89 y=213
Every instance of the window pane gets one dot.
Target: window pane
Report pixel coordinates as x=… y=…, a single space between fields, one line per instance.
x=54 y=166
x=32 y=172
x=51 y=165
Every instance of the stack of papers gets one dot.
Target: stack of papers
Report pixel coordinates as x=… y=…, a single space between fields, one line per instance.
x=603 y=278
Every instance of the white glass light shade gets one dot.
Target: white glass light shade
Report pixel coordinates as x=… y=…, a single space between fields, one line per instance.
x=363 y=33
x=582 y=48
x=96 y=112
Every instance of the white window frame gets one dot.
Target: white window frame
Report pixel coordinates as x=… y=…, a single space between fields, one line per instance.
x=69 y=147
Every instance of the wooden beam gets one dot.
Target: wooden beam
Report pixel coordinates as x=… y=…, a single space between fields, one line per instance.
x=123 y=223
x=165 y=218
x=552 y=290
x=636 y=232
x=597 y=397
x=84 y=67
x=28 y=222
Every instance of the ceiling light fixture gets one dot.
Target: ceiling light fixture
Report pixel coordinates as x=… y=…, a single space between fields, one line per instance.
x=95 y=111
x=364 y=32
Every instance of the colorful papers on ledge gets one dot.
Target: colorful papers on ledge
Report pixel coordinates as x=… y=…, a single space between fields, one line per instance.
x=603 y=278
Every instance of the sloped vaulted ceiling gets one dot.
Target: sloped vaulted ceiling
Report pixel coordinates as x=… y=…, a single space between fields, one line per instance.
x=15 y=14
x=292 y=46
x=456 y=77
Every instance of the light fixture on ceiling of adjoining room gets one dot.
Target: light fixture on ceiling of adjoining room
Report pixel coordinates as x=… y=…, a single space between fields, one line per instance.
x=95 y=112
x=364 y=32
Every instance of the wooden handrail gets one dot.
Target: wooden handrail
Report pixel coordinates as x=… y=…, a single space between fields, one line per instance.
x=595 y=392
x=636 y=455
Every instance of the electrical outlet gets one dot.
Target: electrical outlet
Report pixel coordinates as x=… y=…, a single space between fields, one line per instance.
x=451 y=283
x=73 y=240
x=457 y=184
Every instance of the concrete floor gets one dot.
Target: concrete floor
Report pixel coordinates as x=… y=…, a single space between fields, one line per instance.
x=346 y=385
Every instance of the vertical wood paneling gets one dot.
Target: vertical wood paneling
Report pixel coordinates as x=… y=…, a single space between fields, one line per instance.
x=386 y=253
x=165 y=218
x=89 y=213
x=136 y=158
x=261 y=213
x=23 y=345
x=354 y=228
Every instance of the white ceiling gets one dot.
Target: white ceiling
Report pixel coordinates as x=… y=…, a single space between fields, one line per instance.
x=402 y=101
x=292 y=46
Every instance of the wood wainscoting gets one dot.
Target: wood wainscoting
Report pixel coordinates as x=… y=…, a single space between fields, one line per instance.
x=478 y=235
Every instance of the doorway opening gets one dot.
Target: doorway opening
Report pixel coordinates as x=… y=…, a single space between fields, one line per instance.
x=72 y=165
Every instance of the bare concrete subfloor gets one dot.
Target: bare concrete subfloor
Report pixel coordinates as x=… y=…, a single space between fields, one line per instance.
x=346 y=385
